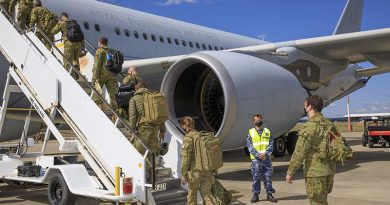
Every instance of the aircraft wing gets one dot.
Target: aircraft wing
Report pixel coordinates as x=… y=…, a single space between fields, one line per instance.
x=372 y=45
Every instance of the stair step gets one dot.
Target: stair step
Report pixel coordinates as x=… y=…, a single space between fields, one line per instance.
x=170 y=196
x=163 y=172
x=167 y=184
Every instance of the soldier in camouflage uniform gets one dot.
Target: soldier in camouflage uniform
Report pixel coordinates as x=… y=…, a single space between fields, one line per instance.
x=101 y=76
x=24 y=11
x=260 y=144
x=71 y=49
x=132 y=77
x=44 y=19
x=6 y=5
x=197 y=180
x=318 y=170
x=147 y=132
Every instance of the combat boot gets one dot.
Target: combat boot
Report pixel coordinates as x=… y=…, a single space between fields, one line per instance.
x=255 y=198
x=271 y=198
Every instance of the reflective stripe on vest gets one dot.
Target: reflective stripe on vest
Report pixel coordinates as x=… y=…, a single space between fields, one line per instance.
x=260 y=143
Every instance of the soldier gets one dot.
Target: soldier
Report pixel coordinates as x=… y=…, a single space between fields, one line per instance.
x=147 y=132
x=45 y=21
x=6 y=5
x=132 y=77
x=196 y=180
x=260 y=144
x=318 y=170
x=24 y=11
x=71 y=49
x=103 y=77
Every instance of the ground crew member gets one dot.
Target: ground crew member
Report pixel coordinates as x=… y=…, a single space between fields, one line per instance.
x=196 y=180
x=101 y=76
x=260 y=145
x=44 y=19
x=24 y=11
x=318 y=171
x=147 y=132
x=132 y=77
x=71 y=49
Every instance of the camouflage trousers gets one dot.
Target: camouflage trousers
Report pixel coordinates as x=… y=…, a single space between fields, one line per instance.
x=149 y=135
x=318 y=188
x=200 y=181
x=112 y=87
x=4 y=4
x=23 y=17
x=72 y=54
x=261 y=169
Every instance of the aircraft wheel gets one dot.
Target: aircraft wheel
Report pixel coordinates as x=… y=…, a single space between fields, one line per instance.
x=246 y=151
x=364 y=140
x=370 y=144
x=279 y=147
x=292 y=138
x=58 y=191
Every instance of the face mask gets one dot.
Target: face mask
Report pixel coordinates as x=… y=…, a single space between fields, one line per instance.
x=258 y=124
x=305 y=111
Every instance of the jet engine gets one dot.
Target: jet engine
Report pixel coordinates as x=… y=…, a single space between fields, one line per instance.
x=222 y=90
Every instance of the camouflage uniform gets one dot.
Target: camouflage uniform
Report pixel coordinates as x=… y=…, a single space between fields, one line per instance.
x=6 y=4
x=39 y=17
x=318 y=171
x=71 y=49
x=131 y=79
x=24 y=11
x=261 y=168
x=197 y=180
x=147 y=132
x=101 y=76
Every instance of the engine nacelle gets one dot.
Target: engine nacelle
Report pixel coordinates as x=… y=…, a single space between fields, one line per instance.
x=222 y=90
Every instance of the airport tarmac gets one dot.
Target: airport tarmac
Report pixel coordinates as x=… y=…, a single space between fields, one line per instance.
x=365 y=180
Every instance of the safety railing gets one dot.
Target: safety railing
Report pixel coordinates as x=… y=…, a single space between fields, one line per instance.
x=83 y=79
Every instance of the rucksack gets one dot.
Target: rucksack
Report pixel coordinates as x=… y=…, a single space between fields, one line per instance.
x=155 y=108
x=221 y=195
x=208 y=152
x=114 y=60
x=73 y=32
x=334 y=146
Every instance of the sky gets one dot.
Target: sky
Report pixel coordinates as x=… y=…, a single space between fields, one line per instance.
x=282 y=20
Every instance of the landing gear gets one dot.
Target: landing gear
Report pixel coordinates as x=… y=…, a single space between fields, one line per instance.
x=279 y=146
x=364 y=140
x=58 y=191
x=292 y=138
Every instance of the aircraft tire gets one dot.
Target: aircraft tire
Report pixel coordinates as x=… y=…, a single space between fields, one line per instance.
x=292 y=138
x=279 y=146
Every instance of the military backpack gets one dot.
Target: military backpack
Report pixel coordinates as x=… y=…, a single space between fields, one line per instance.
x=221 y=195
x=114 y=61
x=155 y=108
x=208 y=152
x=334 y=146
x=73 y=32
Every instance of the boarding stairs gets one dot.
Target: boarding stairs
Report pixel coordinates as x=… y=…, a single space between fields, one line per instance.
x=40 y=75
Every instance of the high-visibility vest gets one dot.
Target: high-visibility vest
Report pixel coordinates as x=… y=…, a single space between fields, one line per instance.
x=260 y=143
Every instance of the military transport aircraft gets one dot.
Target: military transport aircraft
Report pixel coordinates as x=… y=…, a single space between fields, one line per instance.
x=220 y=78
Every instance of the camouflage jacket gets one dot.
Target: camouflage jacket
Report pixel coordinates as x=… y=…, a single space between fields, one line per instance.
x=61 y=26
x=136 y=110
x=99 y=69
x=39 y=17
x=188 y=153
x=129 y=78
x=25 y=5
x=307 y=149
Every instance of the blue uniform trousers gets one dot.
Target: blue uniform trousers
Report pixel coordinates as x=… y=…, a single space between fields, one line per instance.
x=262 y=169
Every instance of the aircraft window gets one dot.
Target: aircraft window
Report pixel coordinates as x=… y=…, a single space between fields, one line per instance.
x=191 y=44
x=136 y=35
x=117 y=31
x=177 y=41
x=161 y=39
x=204 y=46
x=210 y=48
x=127 y=33
x=184 y=43
x=197 y=45
x=145 y=36
x=169 y=40
x=216 y=48
x=153 y=37
x=97 y=27
x=86 y=25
